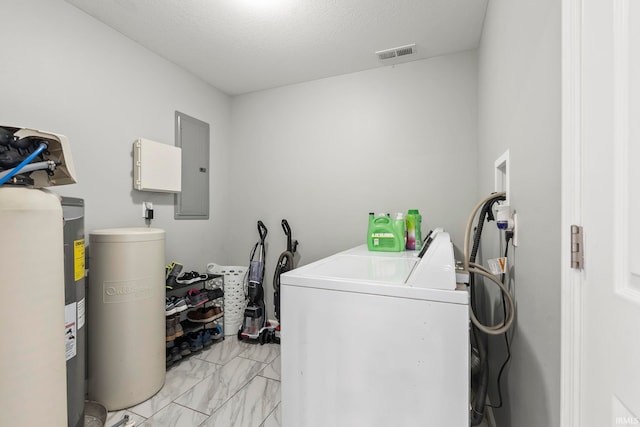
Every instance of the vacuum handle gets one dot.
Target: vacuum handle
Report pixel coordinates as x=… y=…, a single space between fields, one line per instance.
x=291 y=247
x=287 y=229
x=262 y=231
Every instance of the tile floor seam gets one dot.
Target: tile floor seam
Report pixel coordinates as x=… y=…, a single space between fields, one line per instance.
x=168 y=409
x=266 y=363
x=205 y=360
x=275 y=406
x=241 y=386
x=230 y=397
x=191 y=409
x=269 y=414
x=225 y=363
x=146 y=418
x=269 y=378
x=186 y=391
x=238 y=391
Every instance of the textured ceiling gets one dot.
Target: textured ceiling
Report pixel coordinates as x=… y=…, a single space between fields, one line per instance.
x=241 y=46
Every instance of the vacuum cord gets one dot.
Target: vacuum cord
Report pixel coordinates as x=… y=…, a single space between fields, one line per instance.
x=508 y=237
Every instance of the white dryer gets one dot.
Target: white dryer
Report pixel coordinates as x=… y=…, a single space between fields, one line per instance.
x=376 y=339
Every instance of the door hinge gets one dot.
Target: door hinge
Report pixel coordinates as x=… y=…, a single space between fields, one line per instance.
x=577 y=244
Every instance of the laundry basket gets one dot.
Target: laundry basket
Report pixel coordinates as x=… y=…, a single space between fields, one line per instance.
x=234 y=298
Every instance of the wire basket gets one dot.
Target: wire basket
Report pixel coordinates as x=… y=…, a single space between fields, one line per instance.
x=234 y=297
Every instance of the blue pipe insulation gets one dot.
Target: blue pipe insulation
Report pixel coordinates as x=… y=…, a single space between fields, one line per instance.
x=22 y=164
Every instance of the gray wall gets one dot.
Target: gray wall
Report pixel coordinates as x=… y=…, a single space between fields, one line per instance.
x=323 y=154
x=64 y=72
x=519 y=110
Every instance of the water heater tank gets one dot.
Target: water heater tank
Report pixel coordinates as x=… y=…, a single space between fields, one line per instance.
x=32 y=361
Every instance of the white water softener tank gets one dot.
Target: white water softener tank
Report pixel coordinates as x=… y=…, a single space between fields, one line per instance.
x=126 y=321
x=32 y=361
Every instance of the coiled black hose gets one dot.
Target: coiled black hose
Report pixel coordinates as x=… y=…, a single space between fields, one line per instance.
x=480 y=340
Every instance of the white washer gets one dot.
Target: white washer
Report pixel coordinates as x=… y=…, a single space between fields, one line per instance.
x=375 y=339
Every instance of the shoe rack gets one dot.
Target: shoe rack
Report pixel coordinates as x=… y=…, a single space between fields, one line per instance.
x=200 y=324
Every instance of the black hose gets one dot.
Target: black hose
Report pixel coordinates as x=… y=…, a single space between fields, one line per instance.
x=480 y=390
x=486 y=212
x=509 y=236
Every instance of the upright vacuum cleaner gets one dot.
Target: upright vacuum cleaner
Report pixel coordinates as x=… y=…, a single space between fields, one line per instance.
x=284 y=264
x=254 y=325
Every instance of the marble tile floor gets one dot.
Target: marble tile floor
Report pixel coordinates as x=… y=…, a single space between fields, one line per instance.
x=230 y=384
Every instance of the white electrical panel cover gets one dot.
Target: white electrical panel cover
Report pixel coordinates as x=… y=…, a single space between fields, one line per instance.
x=156 y=166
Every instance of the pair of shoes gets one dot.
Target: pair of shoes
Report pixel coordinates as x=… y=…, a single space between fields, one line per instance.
x=191 y=277
x=169 y=307
x=204 y=314
x=179 y=304
x=185 y=349
x=215 y=330
x=178 y=326
x=169 y=362
x=175 y=355
x=196 y=298
x=213 y=294
x=173 y=328
x=172 y=272
x=195 y=341
x=206 y=337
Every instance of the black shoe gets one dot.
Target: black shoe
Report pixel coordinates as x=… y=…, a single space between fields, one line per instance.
x=214 y=293
x=191 y=277
x=169 y=359
x=195 y=341
x=184 y=349
x=175 y=355
x=173 y=271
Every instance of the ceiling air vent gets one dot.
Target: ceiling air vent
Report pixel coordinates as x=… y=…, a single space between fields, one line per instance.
x=396 y=52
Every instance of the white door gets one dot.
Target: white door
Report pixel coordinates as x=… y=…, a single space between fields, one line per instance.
x=606 y=123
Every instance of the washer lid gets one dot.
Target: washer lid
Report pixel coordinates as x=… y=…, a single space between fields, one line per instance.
x=375 y=274
x=374 y=269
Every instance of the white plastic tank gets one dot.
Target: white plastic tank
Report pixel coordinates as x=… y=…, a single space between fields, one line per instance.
x=126 y=321
x=32 y=360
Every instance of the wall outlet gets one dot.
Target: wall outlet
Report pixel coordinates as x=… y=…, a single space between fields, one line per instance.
x=146 y=206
